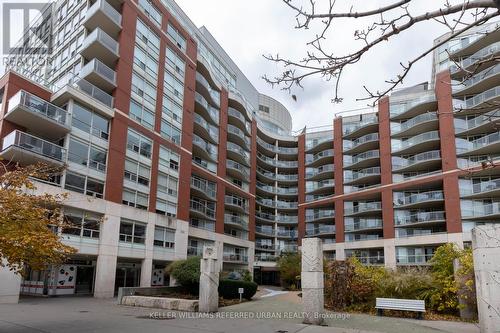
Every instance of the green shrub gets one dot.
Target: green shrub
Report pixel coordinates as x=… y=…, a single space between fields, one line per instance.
x=228 y=289
x=289 y=265
x=186 y=272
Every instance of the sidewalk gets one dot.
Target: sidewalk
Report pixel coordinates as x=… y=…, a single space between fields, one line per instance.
x=81 y=315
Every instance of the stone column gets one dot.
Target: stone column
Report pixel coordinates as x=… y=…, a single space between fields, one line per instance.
x=209 y=281
x=10 y=285
x=312 y=281
x=486 y=251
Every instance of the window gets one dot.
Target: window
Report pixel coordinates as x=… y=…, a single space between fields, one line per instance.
x=137 y=172
x=166 y=207
x=90 y=122
x=170 y=132
x=135 y=199
x=171 y=109
x=169 y=159
x=83 y=153
x=144 y=89
x=148 y=37
x=81 y=223
x=146 y=62
x=164 y=237
x=167 y=185
x=139 y=143
x=264 y=108
x=174 y=87
x=176 y=37
x=151 y=11
x=132 y=232
x=143 y=115
x=174 y=62
x=84 y=184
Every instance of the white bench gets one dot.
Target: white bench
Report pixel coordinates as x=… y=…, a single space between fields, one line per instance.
x=400 y=304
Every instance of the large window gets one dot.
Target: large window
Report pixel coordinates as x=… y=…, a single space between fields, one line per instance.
x=175 y=63
x=83 y=153
x=132 y=232
x=90 y=122
x=151 y=11
x=84 y=184
x=167 y=185
x=166 y=207
x=144 y=89
x=169 y=159
x=142 y=114
x=174 y=87
x=81 y=223
x=148 y=37
x=164 y=237
x=137 y=172
x=139 y=143
x=135 y=199
x=171 y=109
x=146 y=62
x=176 y=37
x=170 y=132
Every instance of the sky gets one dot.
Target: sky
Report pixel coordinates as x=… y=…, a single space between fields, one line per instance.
x=248 y=29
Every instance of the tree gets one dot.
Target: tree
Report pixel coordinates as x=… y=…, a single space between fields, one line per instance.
x=186 y=272
x=289 y=265
x=25 y=234
x=384 y=25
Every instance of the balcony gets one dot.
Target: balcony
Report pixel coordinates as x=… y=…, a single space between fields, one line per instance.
x=235 y=221
x=423 y=122
x=423 y=161
x=370 y=260
x=366 y=142
x=287 y=219
x=266 y=258
x=236 y=135
x=27 y=149
x=99 y=45
x=320 y=230
x=319 y=144
x=281 y=177
x=206 y=110
x=365 y=224
x=364 y=208
x=270 y=176
x=102 y=15
x=202 y=224
x=363 y=160
x=194 y=251
x=319 y=158
x=481 y=210
x=204 y=149
x=237 y=170
x=418 y=218
x=474 y=188
x=414 y=107
x=320 y=187
x=276 y=163
x=265 y=231
x=478 y=83
x=261 y=246
x=488 y=144
x=205 y=130
x=487 y=35
x=64 y=92
x=285 y=191
x=414 y=200
x=471 y=63
x=201 y=208
x=236 y=118
x=361 y=127
x=38 y=115
x=483 y=102
x=485 y=123
x=99 y=75
x=237 y=203
x=265 y=217
x=270 y=189
x=422 y=142
x=237 y=153
x=363 y=176
x=320 y=215
x=204 y=188
x=415 y=259
x=235 y=258
x=207 y=90
x=284 y=233
x=320 y=173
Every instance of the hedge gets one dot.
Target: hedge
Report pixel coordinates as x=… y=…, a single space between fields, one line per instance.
x=228 y=289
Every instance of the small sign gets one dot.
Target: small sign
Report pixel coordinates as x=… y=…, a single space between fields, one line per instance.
x=241 y=290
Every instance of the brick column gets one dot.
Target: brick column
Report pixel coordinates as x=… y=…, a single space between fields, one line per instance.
x=448 y=152
x=338 y=152
x=221 y=166
x=253 y=182
x=301 y=227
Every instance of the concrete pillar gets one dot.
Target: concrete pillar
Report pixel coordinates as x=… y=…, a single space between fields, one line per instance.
x=390 y=253
x=340 y=251
x=147 y=262
x=10 y=286
x=146 y=271
x=209 y=281
x=312 y=281
x=108 y=253
x=486 y=251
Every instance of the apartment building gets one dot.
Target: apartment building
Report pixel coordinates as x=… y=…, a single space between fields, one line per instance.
x=168 y=147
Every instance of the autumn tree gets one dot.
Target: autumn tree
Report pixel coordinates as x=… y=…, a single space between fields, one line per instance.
x=382 y=26
x=27 y=220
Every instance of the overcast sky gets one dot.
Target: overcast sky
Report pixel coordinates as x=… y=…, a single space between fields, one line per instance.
x=246 y=29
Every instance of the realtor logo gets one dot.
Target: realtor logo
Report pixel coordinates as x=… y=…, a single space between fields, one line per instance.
x=27 y=28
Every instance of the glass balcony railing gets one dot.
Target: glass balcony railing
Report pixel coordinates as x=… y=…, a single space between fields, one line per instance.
x=39 y=106
x=400 y=162
x=202 y=208
x=204 y=186
x=245 y=155
x=415 y=259
x=373 y=260
x=475 y=79
x=312 y=172
x=351 y=127
x=237 y=114
x=75 y=82
x=287 y=233
x=480 y=55
x=265 y=216
x=212 y=131
x=363 y=207
x=277 y=204
x=362 y=224
x=478 y=209
x=476 y=100
x=202 y=224
x=368 y=155
x=398 y=145
x=268 y=231
x=287 y=190
x=287 y=219
x=233 y=257
x=470 y=187
x=237 y=220
x=402 y=218
x=312 y=215
x=277 y=163
x=422 y=118
x=239 y=133
x=213 y=112
x=313 y=186
x=399 y=108
x=464 y=146
x=402 y=198
x=98 y=35
x=34 y=145
x=462 y=125
x=266 y=258
x=236 y=201
x=462 y=43
x=322 y=154
x=266 y=174
x=371 y=137
x=267 y=188
x=106 y=8
x=310 y=144
x=214 y=94
x=350 y=176
x=239 y=167
x=320 y=230
x=265 y=246
x=96 y=66
x=209 y=148
x=286 y=177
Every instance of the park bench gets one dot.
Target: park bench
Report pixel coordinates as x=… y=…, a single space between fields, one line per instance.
x=400 y=304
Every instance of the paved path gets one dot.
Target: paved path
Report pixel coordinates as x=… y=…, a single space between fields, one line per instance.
x=82 y=315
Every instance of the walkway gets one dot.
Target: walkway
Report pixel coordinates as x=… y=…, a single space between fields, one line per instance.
x=81 y=315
